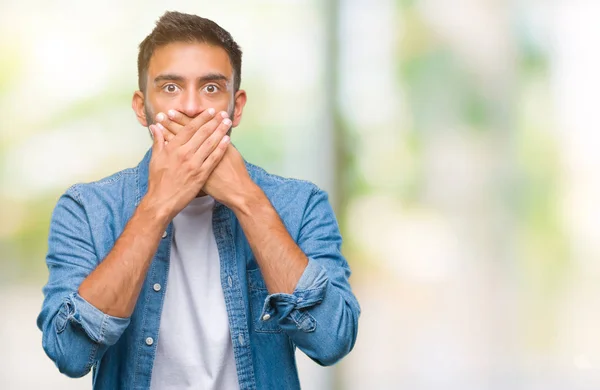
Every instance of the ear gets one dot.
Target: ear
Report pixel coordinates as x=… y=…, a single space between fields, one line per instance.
x=137 y=103
x=240 y=102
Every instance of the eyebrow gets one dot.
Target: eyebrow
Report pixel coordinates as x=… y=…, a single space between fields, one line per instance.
x=201 y=80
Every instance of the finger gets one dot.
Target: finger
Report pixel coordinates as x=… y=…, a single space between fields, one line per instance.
x=167 y=135
x=159 y=140
x=191 y=128
x=170 y=129
x=216 y=156
x=205 y=132
x=205 y=145
x=179 y=117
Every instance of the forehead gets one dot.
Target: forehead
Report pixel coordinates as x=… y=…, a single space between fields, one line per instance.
x=190 y=60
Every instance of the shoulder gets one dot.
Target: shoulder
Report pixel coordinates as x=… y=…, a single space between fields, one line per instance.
x=116 y=191
x=296 y=201
x=280 y=187
x=106 y=184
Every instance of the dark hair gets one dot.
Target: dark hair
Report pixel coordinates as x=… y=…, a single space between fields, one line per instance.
x=180 y=27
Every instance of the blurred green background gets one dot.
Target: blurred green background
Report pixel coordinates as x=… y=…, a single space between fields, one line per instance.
x=457 y=139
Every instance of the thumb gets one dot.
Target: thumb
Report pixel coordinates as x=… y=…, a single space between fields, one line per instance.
x=159 y=139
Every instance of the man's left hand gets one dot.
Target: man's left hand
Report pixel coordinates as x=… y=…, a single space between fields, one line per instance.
x=229 y=183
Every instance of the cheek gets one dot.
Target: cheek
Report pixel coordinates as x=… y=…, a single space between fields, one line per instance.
x=231 y=108
x=165 y=101
x=162 y=103
x=221 y=99
x=149 y=112
x=223 y=102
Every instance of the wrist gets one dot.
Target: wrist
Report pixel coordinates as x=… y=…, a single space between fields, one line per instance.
x=248 y=200
x=155 y=211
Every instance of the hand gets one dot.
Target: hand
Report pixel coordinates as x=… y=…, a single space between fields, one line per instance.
x=229 y=181
x=174 y=121
x=178 y=170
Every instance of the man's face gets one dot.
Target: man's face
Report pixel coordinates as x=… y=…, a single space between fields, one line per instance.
x=189 y=78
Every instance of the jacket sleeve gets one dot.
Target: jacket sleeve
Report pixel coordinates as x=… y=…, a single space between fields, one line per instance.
x=321 y=315
x=75 y=334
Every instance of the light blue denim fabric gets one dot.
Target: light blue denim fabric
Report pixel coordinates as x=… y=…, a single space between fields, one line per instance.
x=320 y=317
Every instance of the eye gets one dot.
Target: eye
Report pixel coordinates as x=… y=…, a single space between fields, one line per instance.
x=211 y=88
x=170 y=88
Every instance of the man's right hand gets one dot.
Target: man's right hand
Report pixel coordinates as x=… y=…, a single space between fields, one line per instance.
x=179 y=169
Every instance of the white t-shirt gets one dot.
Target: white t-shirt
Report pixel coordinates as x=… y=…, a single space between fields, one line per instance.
x=194 y=345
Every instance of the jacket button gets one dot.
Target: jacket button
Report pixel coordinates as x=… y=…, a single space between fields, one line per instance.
x=149 y=341
x=266 y=317
x=164 y=234
x=156 y=287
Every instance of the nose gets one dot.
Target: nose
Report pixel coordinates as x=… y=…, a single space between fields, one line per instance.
x=191 y=104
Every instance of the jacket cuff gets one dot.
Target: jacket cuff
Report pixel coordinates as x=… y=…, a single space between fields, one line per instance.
x=310 y=291
x=100 y=327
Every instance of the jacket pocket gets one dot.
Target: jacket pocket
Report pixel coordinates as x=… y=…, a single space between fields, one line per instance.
x=258 y=295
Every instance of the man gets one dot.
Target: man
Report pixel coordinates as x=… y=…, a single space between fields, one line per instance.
x=194 y=270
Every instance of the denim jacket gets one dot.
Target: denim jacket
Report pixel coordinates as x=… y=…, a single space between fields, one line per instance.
x=320 y=317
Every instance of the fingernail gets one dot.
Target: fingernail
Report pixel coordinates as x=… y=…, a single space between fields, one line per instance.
x=160 y=117
x=226 y=139
x=227 y=122
x=161 y=127
x=224 y=114
x=211 y=111
x=171 y=113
